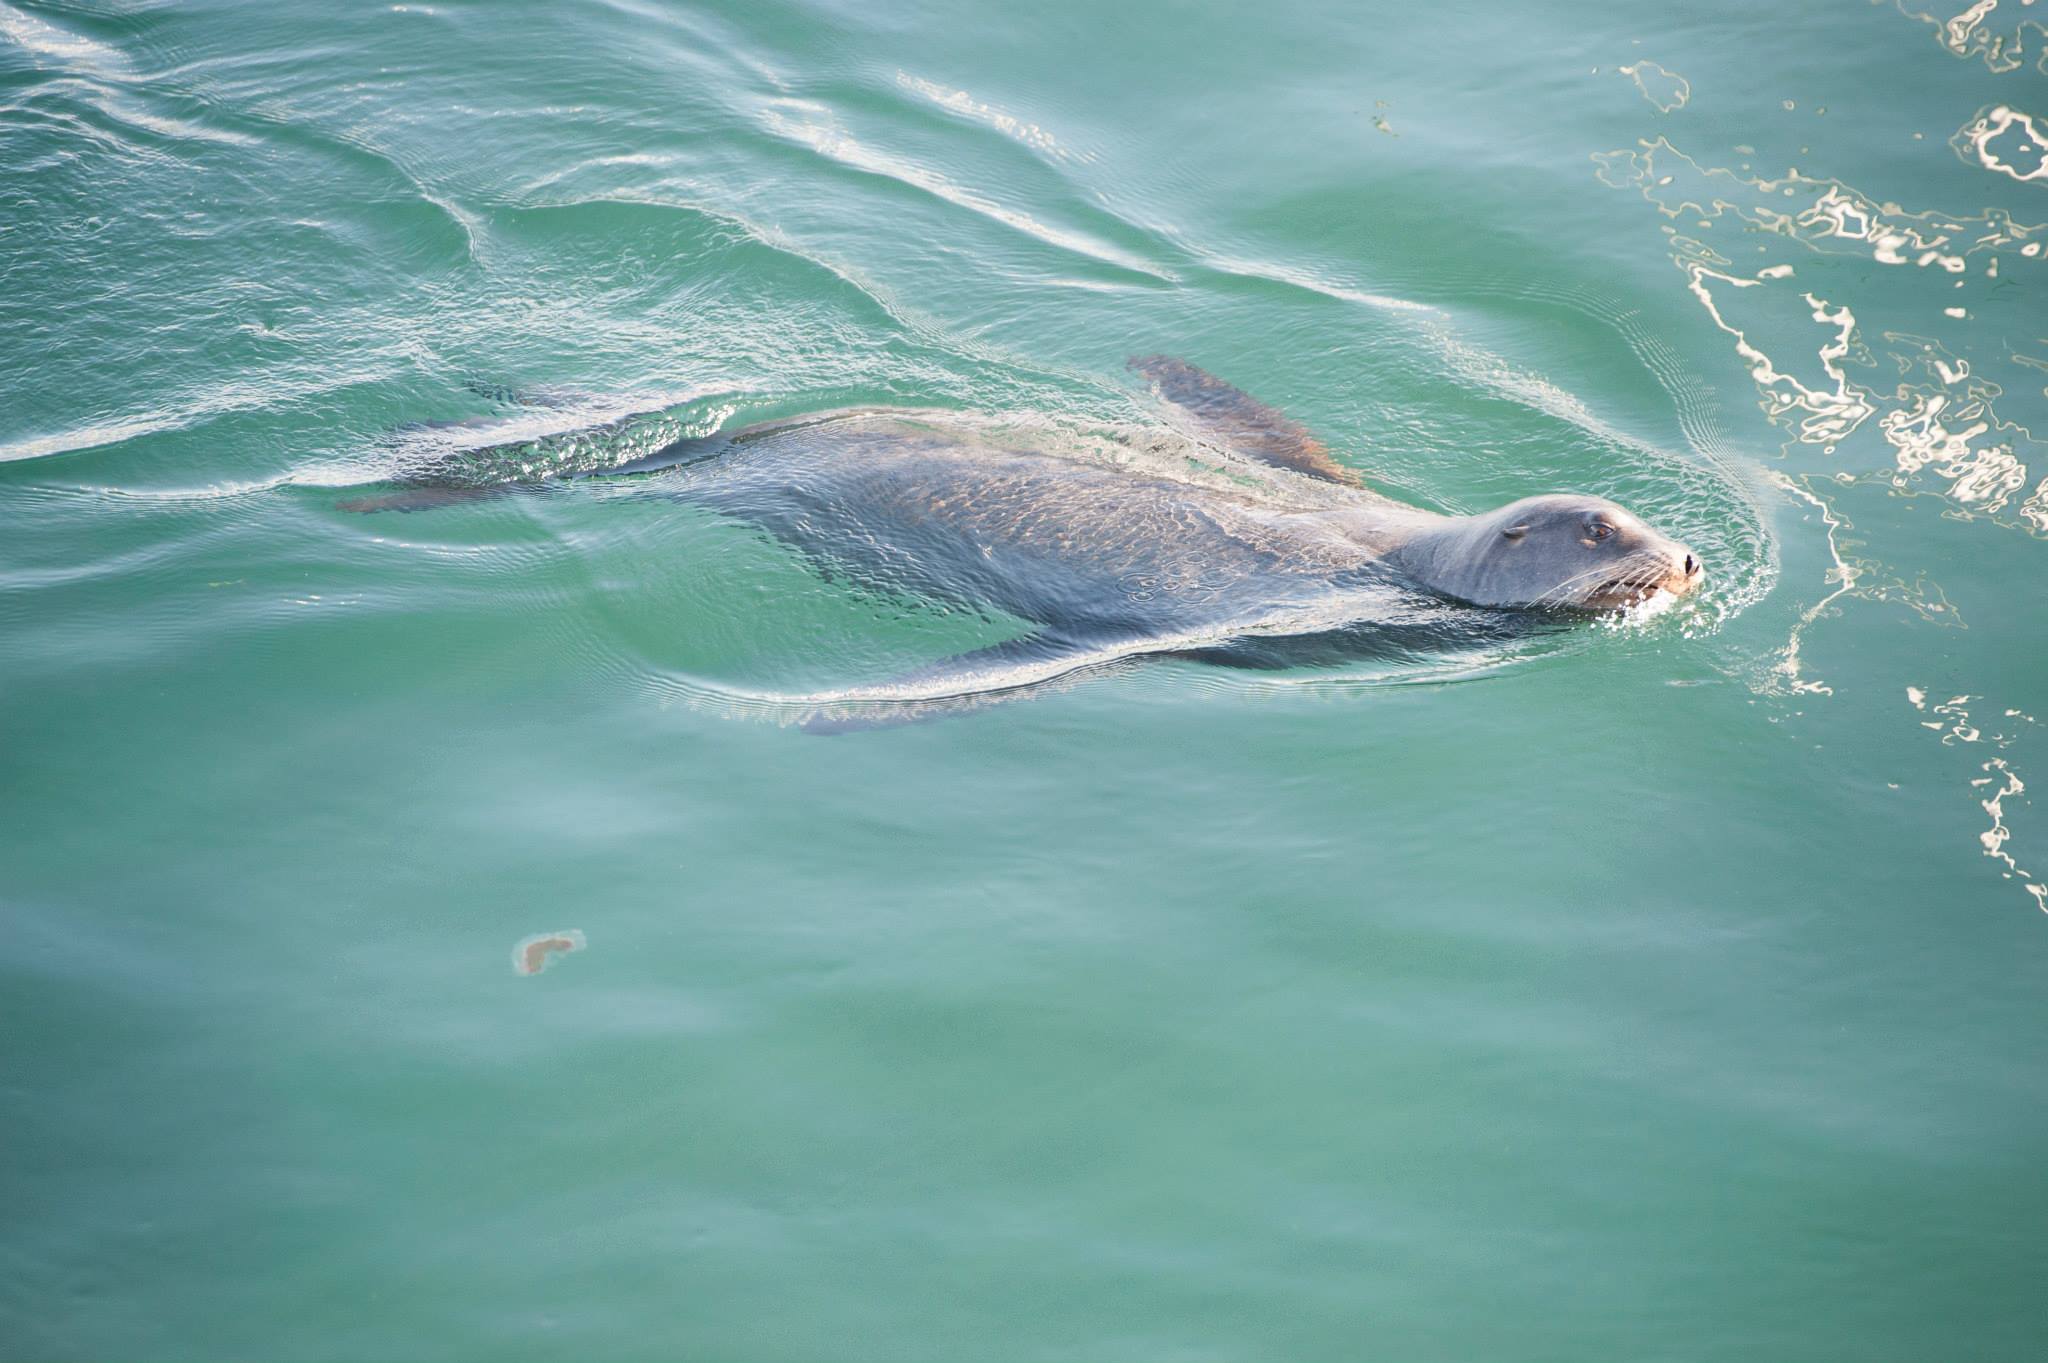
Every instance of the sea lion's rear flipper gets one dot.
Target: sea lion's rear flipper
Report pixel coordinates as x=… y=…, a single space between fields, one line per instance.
x=1015 y=670
x=538 y=437
x=1241 y=421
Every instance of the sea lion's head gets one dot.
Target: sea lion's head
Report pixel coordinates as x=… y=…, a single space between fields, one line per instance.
x=1561 y=552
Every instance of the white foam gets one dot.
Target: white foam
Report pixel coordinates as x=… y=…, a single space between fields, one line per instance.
x=1668 y=90
x=85 y=438
x=810 y=124
x=59 y=47
x=1304 y=279
x=966 y=106
x=1973 y=142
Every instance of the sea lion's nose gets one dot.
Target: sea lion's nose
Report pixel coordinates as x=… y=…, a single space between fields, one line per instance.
x=1692 y=566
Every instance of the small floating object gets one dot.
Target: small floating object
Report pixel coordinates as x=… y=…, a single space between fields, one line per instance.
x=535 y=953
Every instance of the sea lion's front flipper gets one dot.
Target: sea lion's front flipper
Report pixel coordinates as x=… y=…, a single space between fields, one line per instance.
x=1241 y=421
x=1014 y=670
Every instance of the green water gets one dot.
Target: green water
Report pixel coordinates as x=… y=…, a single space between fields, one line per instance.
x=1671 y=992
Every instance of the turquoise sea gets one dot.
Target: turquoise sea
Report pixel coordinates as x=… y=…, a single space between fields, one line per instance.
x=1673 y=989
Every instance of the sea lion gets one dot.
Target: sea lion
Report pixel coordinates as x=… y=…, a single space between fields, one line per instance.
x=1104 y=560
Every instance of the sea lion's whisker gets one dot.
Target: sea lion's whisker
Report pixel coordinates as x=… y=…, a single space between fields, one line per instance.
x=1570 y=582
x=1557 y=593
x=1640 y=574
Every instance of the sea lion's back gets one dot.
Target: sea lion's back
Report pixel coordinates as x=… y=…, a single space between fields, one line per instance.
x=1074 y=534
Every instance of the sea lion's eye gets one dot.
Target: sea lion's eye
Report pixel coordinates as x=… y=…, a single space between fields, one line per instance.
x=1599 y=530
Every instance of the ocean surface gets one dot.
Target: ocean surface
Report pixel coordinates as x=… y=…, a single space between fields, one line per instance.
x=1671 y=990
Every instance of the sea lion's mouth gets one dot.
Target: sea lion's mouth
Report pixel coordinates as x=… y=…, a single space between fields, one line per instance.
x=1616 y=596
x=1625 y=593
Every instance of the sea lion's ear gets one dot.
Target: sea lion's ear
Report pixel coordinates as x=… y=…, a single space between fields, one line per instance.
x=1515 y=532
